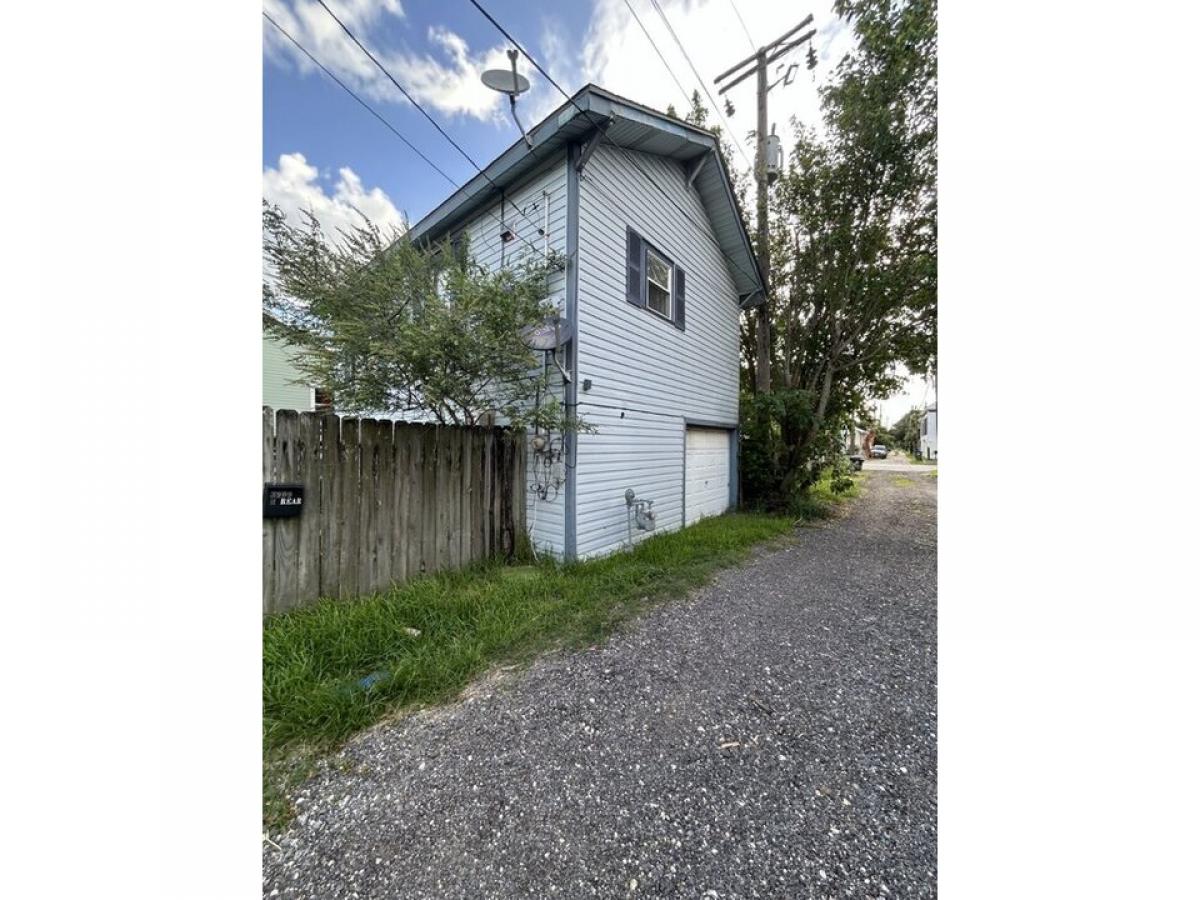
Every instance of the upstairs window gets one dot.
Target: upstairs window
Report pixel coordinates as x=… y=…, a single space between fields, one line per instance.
x=658 y=287
x=658 y=283
x=653 y=281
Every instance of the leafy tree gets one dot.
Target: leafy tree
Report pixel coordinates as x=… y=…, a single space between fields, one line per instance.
x=908 y=430
x=391 y=327
x=854 y=244
x=698 y=114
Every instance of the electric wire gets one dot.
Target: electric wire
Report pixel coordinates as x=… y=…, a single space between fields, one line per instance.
x=413 y=101
x=316 y=62
x=399 y=86
x=750 y=40
x=703 y=86
x=687 y=98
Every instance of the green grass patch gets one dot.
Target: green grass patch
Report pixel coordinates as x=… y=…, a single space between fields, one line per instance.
x=338 y=666
x=919 y=460
x=902 y=481
x=822 y=500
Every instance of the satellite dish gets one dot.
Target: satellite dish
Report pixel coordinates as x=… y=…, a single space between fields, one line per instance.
x=505 y=82
x=549 y=334
x=511 y=83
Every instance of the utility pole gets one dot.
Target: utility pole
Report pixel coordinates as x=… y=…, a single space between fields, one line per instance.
x=760 y=59
x=762 y=347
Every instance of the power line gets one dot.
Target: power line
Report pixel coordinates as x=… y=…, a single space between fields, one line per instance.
x=604 y=137
x=703 y=86
x=392 y=128
x=414 y=102
x=399 y=86
x=744 y=28
x=687 y=98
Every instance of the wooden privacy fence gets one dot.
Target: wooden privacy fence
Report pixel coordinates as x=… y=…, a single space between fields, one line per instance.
x=384 y=502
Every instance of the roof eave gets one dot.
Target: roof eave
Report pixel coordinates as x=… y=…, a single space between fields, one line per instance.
x=550 y=136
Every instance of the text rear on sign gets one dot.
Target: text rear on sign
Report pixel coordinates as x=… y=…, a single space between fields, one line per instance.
x=282 y=500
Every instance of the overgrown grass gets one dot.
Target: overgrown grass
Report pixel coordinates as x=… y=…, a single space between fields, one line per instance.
x=338 y=666
x=822 y=499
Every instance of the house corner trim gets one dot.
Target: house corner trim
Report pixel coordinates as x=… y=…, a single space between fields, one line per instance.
x=571 y=441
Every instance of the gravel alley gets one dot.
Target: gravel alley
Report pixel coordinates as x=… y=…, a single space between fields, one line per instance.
x=772 y=735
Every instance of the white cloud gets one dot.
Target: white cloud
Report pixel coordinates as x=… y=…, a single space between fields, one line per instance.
x=445 y=81
x=454 y=88
x=295 y=185
x=917 y=392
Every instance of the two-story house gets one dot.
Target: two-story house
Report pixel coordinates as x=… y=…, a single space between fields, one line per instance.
x=658 y=268
x=927 y=446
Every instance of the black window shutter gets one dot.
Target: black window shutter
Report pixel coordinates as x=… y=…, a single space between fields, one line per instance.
x=635 y=265
x=679 y=298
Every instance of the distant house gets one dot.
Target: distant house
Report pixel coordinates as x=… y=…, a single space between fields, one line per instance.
x=283 y=383
x=927 y=445
x=657 y=270
x=858 y=440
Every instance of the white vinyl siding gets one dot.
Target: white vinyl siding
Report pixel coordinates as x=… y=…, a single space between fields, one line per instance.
x=640 y=443
x=547 y=188
x=927 y=445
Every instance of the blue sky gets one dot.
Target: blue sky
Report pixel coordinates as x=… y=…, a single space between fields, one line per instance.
x=437 y=50
x=323 y=152
x=304 y=111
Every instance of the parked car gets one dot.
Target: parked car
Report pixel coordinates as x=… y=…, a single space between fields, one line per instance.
x=879 y=452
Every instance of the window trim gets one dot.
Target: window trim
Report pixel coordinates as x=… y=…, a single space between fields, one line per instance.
x=647 y=249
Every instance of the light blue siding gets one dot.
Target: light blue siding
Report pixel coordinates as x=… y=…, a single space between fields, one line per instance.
x=641 y=364
x=284 y=385
x=547 y=186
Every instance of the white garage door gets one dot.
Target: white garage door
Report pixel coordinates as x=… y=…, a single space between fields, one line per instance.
x=707 y=489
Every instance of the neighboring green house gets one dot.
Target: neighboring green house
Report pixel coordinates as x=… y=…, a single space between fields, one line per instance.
x=283 y=386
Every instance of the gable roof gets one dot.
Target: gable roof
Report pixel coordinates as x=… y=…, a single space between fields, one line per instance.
x=634 y=127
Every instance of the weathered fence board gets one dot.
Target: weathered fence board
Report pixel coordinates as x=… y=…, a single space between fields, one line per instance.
x=331 y=432
x=349 y=452
x=287 y=531
x=384 y=502
x=308 y=472
x=429 y=490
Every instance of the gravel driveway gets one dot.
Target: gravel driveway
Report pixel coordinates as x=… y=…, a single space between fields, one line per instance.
x=774 y=735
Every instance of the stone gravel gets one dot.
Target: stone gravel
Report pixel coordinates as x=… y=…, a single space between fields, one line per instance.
x=772 y=735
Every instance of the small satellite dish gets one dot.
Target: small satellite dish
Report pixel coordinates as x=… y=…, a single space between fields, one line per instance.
x=511 y=83
x=505 y=82
x=549 y=334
